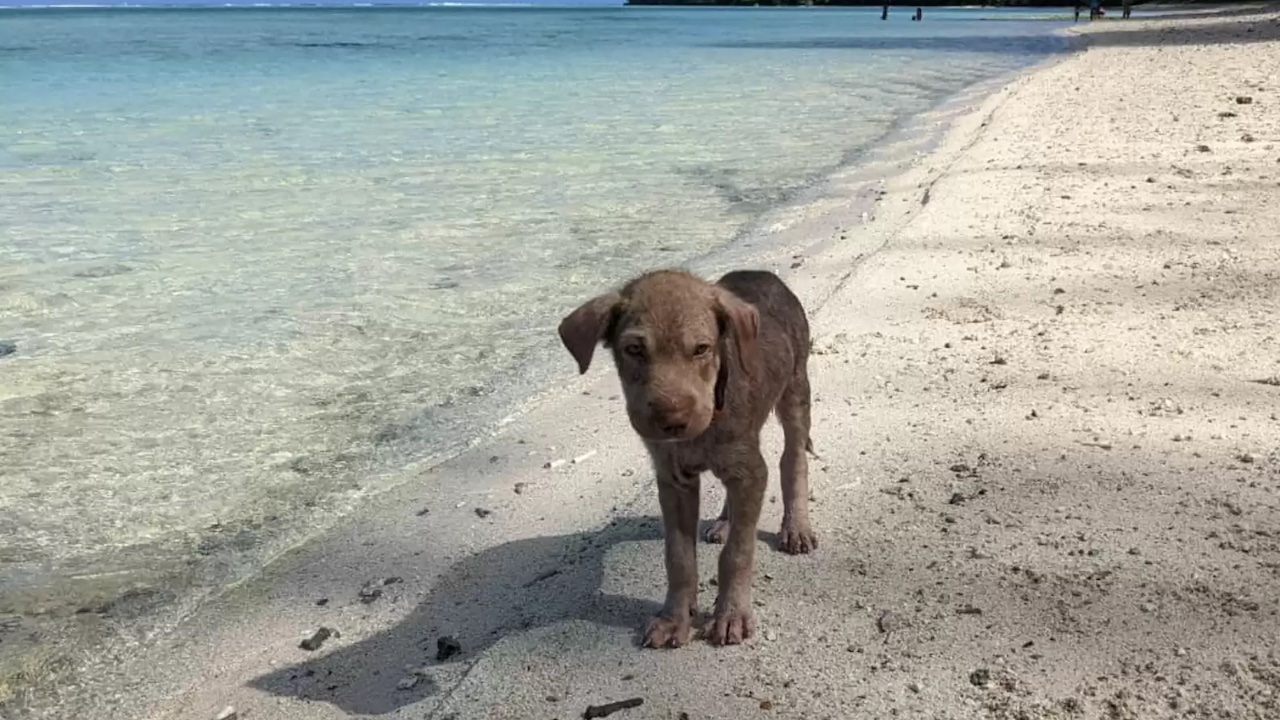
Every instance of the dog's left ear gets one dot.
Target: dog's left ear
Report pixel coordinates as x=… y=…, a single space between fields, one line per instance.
x=585 y=327
x=743 y=322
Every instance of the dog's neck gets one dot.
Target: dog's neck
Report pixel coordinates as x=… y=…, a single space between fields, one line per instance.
x=722 y=385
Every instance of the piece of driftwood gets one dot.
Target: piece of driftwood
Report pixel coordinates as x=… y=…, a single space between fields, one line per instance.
x=599 y=711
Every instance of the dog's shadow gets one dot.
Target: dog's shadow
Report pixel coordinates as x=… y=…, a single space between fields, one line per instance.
x=510 y=588
x=506 y=589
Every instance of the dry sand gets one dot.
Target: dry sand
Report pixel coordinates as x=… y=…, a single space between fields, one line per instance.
x=1046 y=410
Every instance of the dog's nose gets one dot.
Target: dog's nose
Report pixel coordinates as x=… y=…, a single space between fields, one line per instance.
x=672 y=416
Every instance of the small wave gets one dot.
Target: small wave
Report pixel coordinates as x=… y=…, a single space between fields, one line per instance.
x=336 y=44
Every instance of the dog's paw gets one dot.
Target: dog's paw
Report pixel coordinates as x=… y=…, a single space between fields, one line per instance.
x=718 y=533
x=730 y=625
x=665 y=632
x=797 y=538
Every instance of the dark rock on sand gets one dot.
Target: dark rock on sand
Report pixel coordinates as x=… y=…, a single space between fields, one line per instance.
x=447 y=647
x=369 y=593
x=317 y=638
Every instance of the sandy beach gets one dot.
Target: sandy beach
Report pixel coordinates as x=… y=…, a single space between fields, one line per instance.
x=1046 y=391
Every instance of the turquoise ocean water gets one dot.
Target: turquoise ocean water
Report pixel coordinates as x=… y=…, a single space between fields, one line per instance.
x=255 y=261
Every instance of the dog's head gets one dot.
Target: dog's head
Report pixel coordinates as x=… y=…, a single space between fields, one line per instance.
x=671 y=333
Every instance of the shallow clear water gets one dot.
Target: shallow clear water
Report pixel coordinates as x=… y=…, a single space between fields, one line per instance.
x=256 y=260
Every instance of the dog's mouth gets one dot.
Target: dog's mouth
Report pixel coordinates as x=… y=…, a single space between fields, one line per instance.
x=652 y=432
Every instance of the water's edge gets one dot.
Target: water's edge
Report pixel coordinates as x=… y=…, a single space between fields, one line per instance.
x=133 y=617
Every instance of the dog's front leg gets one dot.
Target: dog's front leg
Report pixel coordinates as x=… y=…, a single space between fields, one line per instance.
x=745 y=476
x=678 y=496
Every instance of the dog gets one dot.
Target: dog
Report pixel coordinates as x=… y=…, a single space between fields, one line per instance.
x=702 y=365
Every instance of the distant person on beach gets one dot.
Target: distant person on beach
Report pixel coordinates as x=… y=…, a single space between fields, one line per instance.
x=884 y=14
x=1078 y=3
x=1095 y=9
x=1128 y=7
x=920 y=14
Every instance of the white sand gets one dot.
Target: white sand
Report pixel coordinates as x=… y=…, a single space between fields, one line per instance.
x=1077 y=316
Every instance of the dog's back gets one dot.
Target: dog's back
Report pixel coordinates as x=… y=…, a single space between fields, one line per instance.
x=778 y=307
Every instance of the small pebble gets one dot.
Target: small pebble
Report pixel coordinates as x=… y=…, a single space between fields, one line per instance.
x=771 y=635
x=1148 y=607
x=407 y=683
x=228 y=713
x=980 y=677
x=766 y=704
x=915 y=687
x=888 y=622
x=483 y=512
x=520 y=488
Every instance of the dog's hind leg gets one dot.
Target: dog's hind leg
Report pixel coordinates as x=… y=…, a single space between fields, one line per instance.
x=796 y=536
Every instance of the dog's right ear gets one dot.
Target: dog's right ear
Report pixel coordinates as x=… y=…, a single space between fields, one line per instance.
x=585 y=327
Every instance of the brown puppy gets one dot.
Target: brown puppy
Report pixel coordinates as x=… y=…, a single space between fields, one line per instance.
x=702 y=366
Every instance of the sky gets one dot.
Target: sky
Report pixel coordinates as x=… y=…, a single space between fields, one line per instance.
x=220 y=3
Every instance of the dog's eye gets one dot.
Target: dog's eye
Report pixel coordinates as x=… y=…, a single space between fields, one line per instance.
x=701 y=350
x=635 y=350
